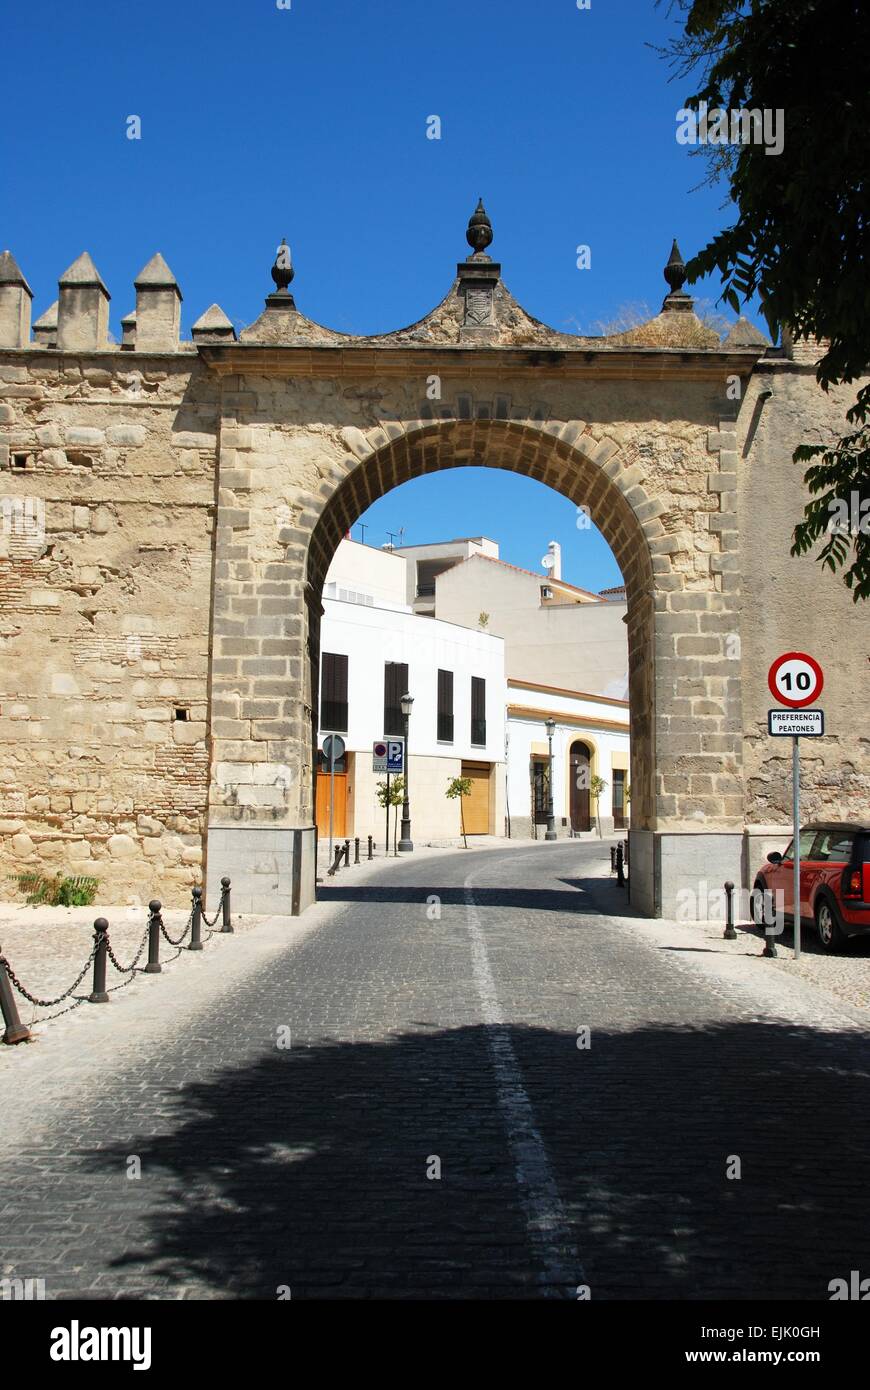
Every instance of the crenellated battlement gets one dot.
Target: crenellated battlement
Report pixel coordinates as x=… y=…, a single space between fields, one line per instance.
x=78 y=320
x=477 y=311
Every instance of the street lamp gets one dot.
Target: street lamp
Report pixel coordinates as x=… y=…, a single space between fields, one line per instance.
x=550 y=726
x=406 y=843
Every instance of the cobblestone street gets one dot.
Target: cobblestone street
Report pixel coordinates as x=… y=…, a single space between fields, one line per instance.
x=438 y=1126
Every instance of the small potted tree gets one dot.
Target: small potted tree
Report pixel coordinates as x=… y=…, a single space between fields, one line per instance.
x=597 y=786
x=392 y=793
x=459 y=787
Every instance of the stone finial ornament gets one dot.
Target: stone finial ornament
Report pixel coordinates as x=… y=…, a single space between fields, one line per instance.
x=479 y=231
x=675 y=270
x=282 y=274
x=675 y=274
x=282 y=270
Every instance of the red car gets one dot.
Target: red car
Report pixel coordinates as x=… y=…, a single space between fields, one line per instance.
x=834 y=881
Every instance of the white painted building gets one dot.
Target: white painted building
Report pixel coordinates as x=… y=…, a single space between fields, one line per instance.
x=562 y=649
x=590 y=741
x=373 y=650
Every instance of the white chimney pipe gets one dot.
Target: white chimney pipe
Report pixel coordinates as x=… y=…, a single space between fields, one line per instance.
x=555 y=549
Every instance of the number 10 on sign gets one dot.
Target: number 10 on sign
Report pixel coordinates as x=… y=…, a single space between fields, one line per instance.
x=796 y=680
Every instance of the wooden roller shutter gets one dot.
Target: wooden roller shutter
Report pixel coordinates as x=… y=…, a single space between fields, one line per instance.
x=476 y=806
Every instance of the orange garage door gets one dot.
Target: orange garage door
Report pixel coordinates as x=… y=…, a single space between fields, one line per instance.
x=476 y=806
x=339 y=828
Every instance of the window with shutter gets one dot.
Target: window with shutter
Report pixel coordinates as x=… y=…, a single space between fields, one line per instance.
x=395 y=686
x=478 y=711
x=333 y=693
x=445 y=706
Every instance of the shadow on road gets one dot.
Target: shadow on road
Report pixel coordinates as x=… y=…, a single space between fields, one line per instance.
x=308 y=1167
x=572 y=899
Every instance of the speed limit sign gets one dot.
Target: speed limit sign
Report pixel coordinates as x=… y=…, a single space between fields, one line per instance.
x=795 y=679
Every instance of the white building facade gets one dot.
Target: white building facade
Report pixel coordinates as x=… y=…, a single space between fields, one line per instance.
x=590 y=741
x=490 y=653
x=374 y=649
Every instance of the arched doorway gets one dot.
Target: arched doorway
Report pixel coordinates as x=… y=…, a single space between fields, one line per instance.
x=581 y=764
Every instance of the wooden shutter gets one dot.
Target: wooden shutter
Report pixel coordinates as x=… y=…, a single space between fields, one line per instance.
x=445 y=706
x=395 y=686
x=333 y=693
x=478 y=710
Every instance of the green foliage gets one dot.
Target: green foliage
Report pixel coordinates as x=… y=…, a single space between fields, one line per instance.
x=396 y=792
x=459 y=787
x=483 y=620
x=801 y=235
x=57 y=890
x=597 y=786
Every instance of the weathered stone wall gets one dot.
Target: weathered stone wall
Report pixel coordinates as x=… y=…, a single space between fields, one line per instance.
x=792 y=604
x=104 y=617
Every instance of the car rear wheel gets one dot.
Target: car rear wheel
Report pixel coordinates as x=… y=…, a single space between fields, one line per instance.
x=756 y=902
x=831 y=935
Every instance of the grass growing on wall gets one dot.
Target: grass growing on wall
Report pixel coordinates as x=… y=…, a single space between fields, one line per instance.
x=57 y=890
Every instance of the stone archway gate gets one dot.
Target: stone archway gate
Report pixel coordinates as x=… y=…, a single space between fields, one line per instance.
x=159 y=611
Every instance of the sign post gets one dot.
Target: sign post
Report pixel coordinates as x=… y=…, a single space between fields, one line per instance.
x=795 y=680
x=388 y=755
x=333 y=751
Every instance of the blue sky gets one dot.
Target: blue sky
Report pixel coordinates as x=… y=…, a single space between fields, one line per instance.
x=310 y=122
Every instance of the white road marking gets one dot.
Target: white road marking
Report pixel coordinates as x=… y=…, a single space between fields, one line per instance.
x=546 y=1218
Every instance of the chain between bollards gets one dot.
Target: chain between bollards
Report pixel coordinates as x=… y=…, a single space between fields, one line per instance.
x=16 y=1031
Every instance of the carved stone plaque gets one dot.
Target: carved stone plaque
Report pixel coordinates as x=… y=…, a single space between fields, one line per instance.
x=478 y=307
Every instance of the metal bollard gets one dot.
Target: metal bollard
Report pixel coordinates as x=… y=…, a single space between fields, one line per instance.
x=769 y=943
x=337 y=861
x=226 y=924
x=16 y=1031
x=612 y=858
x=625 y=854
x=196 y=921
x=101 y=935
x=620 y=875
x=371 y=846
x=155 y=922
x=356 y=850
x=346 y=852
x=729 y=933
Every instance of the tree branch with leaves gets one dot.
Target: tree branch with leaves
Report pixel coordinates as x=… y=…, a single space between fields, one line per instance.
x=801 y=236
